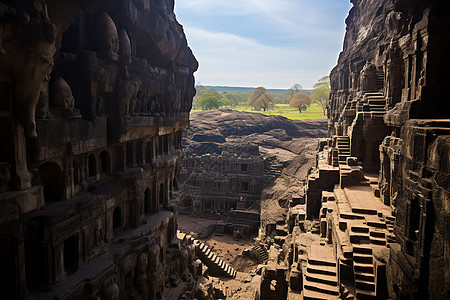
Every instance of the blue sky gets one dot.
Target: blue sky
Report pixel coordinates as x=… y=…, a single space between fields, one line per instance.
x=270 y=43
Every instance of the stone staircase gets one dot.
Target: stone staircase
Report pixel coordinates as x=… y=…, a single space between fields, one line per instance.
x=343 y=146
x=372 y=102
x=261 y=252
x=220 y=228
x=240 y=204
x=320 y=279
x=216 y=265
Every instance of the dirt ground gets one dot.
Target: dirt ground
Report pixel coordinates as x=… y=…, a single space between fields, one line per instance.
x=230 y=250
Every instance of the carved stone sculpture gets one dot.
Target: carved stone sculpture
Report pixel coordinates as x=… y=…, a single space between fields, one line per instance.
x=61 y=97
x=106 y=37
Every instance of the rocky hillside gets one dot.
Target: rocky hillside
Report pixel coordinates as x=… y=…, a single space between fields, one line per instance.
x=288 y=147
x=211 y=131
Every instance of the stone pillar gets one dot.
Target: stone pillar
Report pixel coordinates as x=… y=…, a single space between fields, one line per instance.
x=20 y=177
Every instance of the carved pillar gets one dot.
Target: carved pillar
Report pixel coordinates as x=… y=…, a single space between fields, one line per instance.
x=20 y=177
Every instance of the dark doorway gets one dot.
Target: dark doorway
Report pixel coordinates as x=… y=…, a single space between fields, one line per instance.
x=117 y=219
x=105 y=162
x=92 y=166
x=71 y=254
x=35 y=262
x=8 y=267
x=52 y=180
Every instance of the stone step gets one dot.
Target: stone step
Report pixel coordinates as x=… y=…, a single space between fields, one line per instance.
x=362 y=249
x=365 y=276
x=363 y=258
x=318 y=262
x=365 y=295
x=361 y=229
x=313 y=295
x=321 y=278
x=362 y=267
x=365 y=211
x=378 y=234
x=318 y=270
x=359 y=238
x=365 y=285
x=376 y=224
x=378 y=241
x=320 y=287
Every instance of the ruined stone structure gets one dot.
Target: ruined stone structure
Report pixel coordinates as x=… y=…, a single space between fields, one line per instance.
x=216 y=184
x=377 y=202
x=94 y=97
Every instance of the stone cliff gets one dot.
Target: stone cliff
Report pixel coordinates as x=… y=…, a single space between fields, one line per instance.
x=373 y=220
x=94 y=97
x=388 y=108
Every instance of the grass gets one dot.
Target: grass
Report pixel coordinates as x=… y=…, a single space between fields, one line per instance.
x=313 y=112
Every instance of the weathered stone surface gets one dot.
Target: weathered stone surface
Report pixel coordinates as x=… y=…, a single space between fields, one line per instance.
x=94 y=97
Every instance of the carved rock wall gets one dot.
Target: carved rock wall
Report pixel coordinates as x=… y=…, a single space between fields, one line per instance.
x=389 y=100
x=94 y=97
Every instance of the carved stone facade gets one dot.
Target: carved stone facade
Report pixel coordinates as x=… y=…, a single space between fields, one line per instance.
x=377 y=202
x=94 y=97
x=216 y=184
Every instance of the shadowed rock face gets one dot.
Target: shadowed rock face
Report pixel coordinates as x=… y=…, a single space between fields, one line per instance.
x=94 y=97
x=389 y=108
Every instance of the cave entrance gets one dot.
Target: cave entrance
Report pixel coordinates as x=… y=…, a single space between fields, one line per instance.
x=52 y=180
x=71 y=254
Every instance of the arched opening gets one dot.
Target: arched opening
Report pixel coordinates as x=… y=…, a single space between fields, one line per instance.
x=105 y=162
x=52 y=180
x=117 y=219
x=71 y=254
x=92 y=166
x=35 y=262
x=147 y=201
x=175 y=184
x=161 y=194
x=8 y=266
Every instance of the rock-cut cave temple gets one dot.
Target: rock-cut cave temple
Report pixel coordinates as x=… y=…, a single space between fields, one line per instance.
x=95 y=97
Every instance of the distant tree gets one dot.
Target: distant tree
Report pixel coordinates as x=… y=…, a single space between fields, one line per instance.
x=210 y=99
x=300 y=101
x=260 y=98
x=295 y=89
x=321 y=93
x=231 y=99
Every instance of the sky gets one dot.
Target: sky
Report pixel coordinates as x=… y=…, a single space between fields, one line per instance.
x=270 y=43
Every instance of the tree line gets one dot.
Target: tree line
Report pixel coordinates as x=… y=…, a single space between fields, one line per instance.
x=261 y=99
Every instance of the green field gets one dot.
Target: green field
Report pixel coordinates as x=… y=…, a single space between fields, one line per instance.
x=313 y=112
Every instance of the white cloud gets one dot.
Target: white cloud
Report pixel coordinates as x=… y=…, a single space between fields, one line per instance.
x=263 y=42
x=227 y=59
